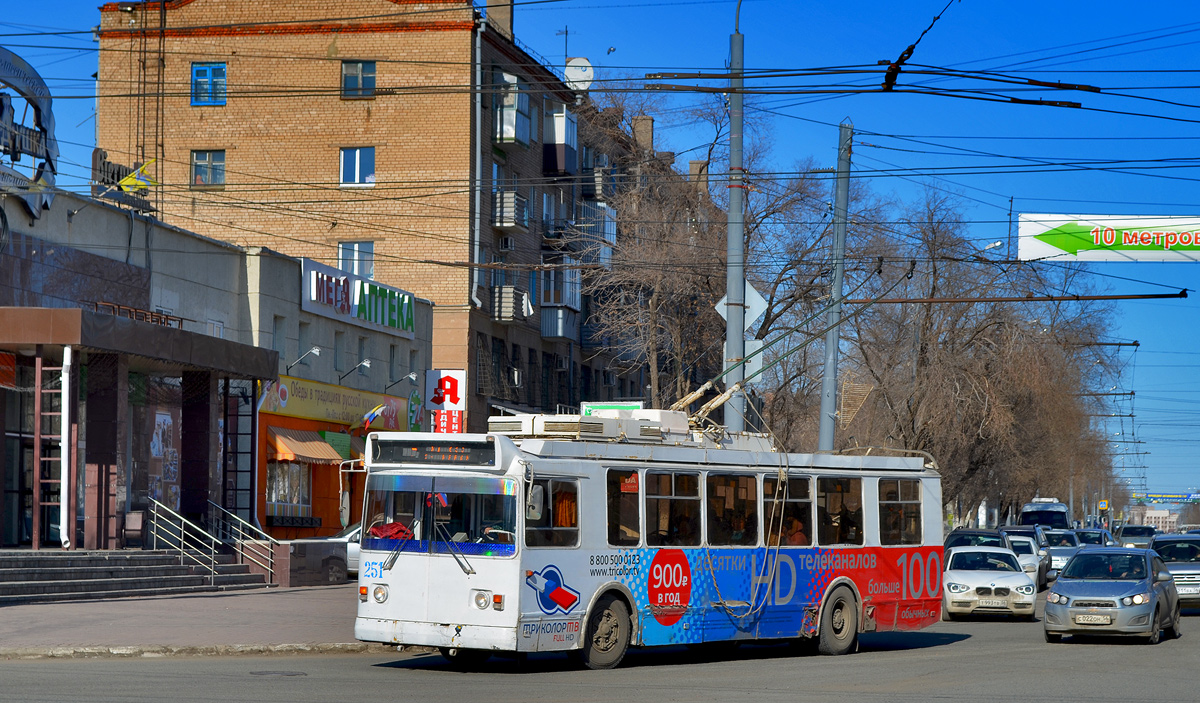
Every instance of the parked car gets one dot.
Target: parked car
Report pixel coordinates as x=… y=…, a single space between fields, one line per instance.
x=1095 y=537
x=981 y=580
x=1113 y=591
x=1182 y=556
x=1035 y=531
x=1034 y=561
x=968 y=537
x=1135 y=535
x=1062 y=546
x=351 y=535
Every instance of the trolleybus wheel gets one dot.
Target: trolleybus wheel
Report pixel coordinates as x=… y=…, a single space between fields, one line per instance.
x=608 y=632
x=839 y=623
x=464 y=659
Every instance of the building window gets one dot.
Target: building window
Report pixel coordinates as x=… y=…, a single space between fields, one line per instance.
x=358 y=166
x=413 y=362
x=289 y=489
x=208 y=169
x=511 y=111
x=364 y=352
x=899 y=511
x=393 y=364
x=304 y=342
x=357 y=258
x=339 y=341
x=208 y=84
x=216 y=328
x=358 y=79
x=279 y=334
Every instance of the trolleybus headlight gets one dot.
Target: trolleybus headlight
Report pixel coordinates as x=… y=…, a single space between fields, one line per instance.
x=483 y=599
x=380 y=593
x=957 y=587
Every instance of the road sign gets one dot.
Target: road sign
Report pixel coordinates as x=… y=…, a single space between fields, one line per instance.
x=1108 y=238
x=1103 y=505
x=756 y=305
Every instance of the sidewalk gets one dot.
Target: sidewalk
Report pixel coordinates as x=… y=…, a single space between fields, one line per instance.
x=280 y=620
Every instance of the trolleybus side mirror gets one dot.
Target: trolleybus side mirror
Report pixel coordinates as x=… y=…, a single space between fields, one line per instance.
x=344 y=509
x=537 y=500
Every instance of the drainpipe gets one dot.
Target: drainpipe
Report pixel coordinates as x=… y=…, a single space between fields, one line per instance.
x=66 y=491
x=477 y=178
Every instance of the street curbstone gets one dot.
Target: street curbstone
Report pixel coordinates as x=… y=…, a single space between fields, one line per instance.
x=160 y=651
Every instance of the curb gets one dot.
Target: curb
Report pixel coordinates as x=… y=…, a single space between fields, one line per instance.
x=220 y=650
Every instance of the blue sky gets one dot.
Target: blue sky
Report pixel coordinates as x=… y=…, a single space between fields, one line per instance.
x=984 y=151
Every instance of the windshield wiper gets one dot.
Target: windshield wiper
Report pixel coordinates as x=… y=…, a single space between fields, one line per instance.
x=459 y=557
x=390 y=561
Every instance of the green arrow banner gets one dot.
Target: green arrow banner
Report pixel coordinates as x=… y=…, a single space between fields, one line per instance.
x=1104 y=238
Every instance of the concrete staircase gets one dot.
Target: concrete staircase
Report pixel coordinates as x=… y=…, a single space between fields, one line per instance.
x=44 y=576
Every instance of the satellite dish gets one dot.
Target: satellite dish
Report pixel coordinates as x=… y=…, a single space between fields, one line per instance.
x=579 y=73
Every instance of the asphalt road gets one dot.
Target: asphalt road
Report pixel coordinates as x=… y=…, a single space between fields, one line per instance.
x=980 y=660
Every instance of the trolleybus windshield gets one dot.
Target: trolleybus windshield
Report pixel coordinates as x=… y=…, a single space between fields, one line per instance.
x=473 y=516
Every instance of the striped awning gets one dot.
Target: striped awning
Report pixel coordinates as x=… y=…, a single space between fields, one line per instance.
x=300 y=445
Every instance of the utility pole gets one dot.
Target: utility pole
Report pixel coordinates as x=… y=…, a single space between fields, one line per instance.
x=841 y=206
x=735 y=252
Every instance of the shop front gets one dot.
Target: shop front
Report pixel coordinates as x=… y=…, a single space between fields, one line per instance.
x=306 y=431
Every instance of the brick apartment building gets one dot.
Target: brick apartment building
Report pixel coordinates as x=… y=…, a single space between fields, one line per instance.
x=411 y=141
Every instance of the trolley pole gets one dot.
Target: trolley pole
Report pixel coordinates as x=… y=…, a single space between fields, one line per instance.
x=841 y=205
x=735 y=252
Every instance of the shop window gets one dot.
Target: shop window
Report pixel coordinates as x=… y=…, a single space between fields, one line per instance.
x=358 y=166
x=672 y=509
x=839 y=511
x=899 y=511
x=208 y=84
x=289 y=489
x=732 y=510
x=358 y=79
x=208 y=169
x=787 y=511
x=559 y=523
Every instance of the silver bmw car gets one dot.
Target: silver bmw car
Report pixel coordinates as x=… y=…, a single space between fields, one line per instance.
x=1113 y=591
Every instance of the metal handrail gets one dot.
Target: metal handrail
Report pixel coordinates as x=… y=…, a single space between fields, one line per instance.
x=247 y=540
x=191 y=545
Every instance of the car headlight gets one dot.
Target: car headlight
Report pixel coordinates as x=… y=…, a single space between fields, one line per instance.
x=1057 y=599
x=1139 y=599
x=1130 y=544
x=1025 y=590
x=957 y=587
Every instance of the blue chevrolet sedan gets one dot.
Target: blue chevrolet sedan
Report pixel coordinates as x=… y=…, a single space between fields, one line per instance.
x=1113 y=591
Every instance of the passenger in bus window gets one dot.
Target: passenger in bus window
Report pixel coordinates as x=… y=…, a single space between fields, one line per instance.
x=795 y=533
x=851 y=515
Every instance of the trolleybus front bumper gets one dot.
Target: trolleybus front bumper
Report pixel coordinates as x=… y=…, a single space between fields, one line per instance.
x=435 y=634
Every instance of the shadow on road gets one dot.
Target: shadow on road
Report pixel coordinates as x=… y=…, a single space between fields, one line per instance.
x=680 y=656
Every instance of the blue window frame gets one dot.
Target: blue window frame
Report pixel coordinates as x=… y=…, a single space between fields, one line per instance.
x=208 y=84
x=358 y=166
x=358 y=79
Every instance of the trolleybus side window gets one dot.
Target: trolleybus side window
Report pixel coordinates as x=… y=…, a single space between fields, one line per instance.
x=839 y=511
x=559 y=523
x=787 y=511
x=899 y=511
x=672 y=509
x=624 y=529
x=732 y=510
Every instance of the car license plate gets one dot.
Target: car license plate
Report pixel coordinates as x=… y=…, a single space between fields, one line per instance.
x=1088 y=619
x=1188 y=590
x=990 y=603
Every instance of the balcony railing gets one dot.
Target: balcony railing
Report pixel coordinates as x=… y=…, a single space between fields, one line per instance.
x=509 y=304
x=510 y=211
x=560 y=323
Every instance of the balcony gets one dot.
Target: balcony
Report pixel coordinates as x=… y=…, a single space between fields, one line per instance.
x=559 y=160
x=560 y=137
x=510 y=114
x=509 y=304
x=560 y=323
x=596 y=183
x=510 y=211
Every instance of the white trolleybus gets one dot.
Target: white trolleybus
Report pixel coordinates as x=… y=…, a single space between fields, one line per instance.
x=595 y=534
